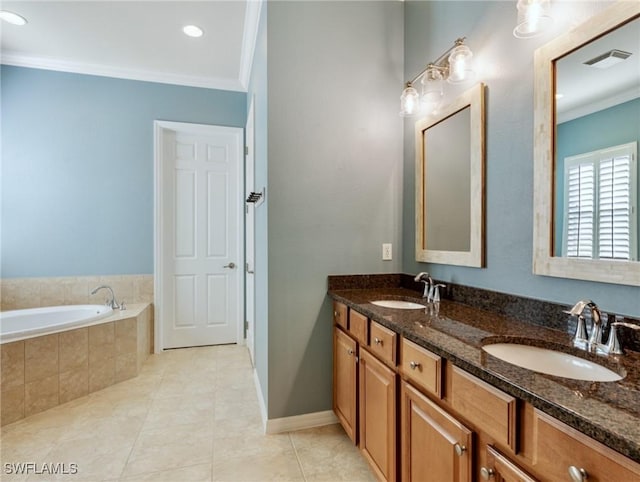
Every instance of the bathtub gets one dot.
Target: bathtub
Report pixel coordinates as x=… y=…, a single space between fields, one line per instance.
x=23 y=324
x=51 y=356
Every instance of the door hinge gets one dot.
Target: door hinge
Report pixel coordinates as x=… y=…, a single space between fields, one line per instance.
x=246 y=325
x=246 y=150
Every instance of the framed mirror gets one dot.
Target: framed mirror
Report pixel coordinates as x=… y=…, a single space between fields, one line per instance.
x=586 y=137
x=450 y=156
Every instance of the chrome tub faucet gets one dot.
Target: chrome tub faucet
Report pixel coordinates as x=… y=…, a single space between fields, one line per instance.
x=112 y=303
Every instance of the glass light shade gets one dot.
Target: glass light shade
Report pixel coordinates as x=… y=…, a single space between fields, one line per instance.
x=459 y=65
x=12 y=18
x=432 y=91
x=533 y=18
x=409 y=102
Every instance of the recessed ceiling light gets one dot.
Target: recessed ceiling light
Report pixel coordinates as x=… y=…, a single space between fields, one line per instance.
x=192 y=31
x=12 y=18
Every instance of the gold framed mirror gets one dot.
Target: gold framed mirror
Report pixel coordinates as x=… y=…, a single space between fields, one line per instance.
x=558 y=144
x=450 y=157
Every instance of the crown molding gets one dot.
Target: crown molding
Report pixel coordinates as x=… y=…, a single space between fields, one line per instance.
x=10 y=58
x=249 y=38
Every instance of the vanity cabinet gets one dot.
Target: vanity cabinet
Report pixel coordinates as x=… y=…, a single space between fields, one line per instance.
x=417 y=417
x=435 y=446
x=365 y=388
x=378 y=439
x=345 y=382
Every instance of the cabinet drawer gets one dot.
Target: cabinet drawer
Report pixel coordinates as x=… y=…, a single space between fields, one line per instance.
x=598 y=461
x=422 y=367
x=358 y=326
x=340 y=312
x=488 y=408
x=383 y=343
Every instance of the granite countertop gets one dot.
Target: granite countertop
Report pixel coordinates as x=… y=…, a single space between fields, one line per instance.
x=606 y=411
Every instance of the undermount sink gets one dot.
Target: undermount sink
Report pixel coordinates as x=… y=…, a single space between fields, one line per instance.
x=551 y=362
x=398 y=304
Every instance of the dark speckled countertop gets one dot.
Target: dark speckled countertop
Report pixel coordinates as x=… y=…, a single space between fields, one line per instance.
x=606 y=411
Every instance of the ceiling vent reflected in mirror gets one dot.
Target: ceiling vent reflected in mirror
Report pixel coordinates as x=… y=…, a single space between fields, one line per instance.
x=608 y=59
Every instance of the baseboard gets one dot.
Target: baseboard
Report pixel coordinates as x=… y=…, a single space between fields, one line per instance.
x=300 y=422
x=263 y=406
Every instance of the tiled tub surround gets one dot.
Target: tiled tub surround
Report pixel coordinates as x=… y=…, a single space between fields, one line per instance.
x=608 y=412
x=42 y=372
x=21 y=293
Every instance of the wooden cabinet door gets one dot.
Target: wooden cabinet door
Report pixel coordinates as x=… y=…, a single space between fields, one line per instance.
x=345 y=382
x=378 y=415
x=435 y=446
x=500 y=469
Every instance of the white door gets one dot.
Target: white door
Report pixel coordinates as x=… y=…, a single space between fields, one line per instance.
x=200 y=274
x=250 y=236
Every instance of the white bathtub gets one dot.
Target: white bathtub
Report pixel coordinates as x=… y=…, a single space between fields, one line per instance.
x=22 y=324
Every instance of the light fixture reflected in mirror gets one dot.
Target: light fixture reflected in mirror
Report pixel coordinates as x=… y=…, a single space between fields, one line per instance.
x=533 y=18
x=453 y=66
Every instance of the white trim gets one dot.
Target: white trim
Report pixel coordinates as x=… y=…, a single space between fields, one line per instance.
x=261 y=402
x=249 y=38
x=300 y=422
x=10 y=58
x=159 y=127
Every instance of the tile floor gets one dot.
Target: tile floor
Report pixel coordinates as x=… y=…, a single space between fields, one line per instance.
x=191 y=415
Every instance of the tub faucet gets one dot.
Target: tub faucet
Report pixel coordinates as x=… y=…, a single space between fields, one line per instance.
x=424 y=277
x=112 y=303
x=596 y=330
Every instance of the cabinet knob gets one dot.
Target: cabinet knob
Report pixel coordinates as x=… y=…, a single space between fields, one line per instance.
x=350 y=351
x=577 y=474
x=377 y=341
x=414 y=365
x=460 y=449
x=487 y=473
x=336 y=314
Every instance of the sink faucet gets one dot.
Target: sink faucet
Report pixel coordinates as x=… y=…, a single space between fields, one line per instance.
x=424 y=277
x=112 y=303
x=596 y=330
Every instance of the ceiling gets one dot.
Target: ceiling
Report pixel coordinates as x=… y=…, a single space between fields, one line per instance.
x=587 y=89
x=140 y=40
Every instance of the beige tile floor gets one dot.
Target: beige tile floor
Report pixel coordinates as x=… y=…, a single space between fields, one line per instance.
x=191 y=415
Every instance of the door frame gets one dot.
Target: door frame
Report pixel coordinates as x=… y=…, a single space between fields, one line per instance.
x=250 y=243
x=159 y=129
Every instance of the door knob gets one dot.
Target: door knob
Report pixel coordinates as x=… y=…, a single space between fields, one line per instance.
x=230 y=265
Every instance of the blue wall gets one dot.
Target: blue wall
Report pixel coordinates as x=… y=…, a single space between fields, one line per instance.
x=77 y=167
x=610 y=127
x=505 y=64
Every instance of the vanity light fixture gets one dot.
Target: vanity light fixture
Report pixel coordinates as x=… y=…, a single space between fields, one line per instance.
x=12 y=18
x=193 y=31
x=452 y=66
x=533 y=18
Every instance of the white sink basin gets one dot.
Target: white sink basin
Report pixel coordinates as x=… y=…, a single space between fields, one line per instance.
x=398 y=304
x=551 y=362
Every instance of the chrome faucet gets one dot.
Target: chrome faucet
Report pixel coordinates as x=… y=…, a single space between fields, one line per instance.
x=112 y=303
x=424 y=277
x=580 y=339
